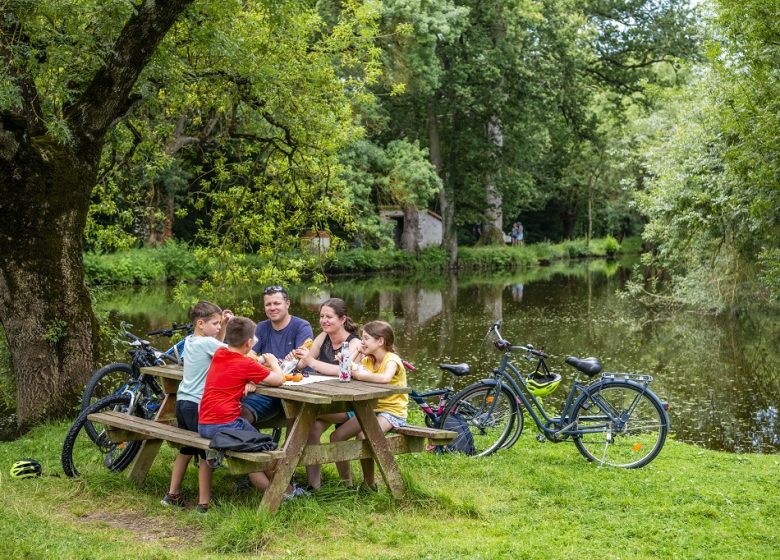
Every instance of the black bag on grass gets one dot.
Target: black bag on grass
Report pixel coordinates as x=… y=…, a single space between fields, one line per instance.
x=242 y=440
x=464 y=442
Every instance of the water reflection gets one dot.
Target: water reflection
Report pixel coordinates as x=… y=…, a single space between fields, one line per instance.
x=719 y=374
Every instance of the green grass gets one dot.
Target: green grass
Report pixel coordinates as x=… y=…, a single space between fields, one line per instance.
x=533 y=501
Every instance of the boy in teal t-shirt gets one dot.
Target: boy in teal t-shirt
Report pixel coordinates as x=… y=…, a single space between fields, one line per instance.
x=209 y=331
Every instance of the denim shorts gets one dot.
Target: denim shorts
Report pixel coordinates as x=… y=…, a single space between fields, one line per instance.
x=208 y=430
x=187 y=419
x=395 y=421
x=263 y=408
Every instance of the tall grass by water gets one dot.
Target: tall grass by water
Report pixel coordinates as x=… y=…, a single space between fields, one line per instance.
x=175 y=262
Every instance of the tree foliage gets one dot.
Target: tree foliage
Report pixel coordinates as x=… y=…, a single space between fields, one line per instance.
x=713 y=194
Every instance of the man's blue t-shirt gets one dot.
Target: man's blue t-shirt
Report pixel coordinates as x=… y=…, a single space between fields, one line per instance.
x=280 y=343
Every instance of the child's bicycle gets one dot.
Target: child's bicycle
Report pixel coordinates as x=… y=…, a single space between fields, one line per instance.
x=454 y=413
x=615 y=420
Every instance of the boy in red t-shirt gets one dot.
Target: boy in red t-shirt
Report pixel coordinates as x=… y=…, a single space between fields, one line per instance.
x=231 y=376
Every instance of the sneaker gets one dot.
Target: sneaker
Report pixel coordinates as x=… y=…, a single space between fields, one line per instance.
x=172 y=500
x=202 y=508
x=244 y=485
x=296 y=492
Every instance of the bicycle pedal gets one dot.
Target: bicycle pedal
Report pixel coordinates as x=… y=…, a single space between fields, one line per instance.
x=540 y=438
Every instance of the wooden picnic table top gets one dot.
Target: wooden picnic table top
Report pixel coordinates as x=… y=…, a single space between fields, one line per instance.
x=321 y=392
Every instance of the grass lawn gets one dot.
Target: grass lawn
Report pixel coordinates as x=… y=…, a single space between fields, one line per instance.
x=533 y=501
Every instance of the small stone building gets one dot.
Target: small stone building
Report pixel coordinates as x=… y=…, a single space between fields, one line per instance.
x=431 y=228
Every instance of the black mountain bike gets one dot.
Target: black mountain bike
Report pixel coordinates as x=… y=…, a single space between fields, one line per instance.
x=90 y=446
x=112 y=378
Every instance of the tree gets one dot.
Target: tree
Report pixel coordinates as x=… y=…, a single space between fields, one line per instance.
x=52 y=129
x=274 y=81
x=711 y=193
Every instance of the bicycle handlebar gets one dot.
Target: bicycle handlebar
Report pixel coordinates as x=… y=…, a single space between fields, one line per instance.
x=174 y=328
x=506 y=346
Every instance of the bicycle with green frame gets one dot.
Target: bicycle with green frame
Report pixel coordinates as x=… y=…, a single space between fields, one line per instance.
x=613 y=420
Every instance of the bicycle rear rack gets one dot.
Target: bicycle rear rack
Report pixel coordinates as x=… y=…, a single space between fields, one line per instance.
x=646 y=379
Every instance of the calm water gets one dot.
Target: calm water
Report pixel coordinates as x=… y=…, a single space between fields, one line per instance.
x=720 y=375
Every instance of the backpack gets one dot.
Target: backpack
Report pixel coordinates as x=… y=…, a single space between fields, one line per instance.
x=242 y=440
x=464 y=442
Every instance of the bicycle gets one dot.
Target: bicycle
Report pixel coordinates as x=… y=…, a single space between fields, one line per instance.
x=112 y=378
x=436 y=418
x=431 y=415
x=613 y=420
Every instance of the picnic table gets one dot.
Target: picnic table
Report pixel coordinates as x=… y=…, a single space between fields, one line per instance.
x=302 y=404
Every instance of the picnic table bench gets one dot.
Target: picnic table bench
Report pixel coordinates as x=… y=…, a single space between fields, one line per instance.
x=124 y=427
x=302 y=404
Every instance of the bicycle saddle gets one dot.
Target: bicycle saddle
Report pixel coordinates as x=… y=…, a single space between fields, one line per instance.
x=456 y=369
x=589 y=366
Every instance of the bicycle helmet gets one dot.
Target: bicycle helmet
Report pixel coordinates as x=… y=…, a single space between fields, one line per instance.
x=26 y=468
x=543 y=385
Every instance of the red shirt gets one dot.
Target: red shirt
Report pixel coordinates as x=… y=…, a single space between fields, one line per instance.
x=228 y=374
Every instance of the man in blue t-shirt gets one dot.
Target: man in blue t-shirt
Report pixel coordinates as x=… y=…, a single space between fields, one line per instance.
x=279 y=335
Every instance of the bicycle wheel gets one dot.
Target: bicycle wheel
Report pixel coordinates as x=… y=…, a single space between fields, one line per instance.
x=516 y=429
x=625 y=425
x=81 y=455
x=108 y=380
x=490 y=414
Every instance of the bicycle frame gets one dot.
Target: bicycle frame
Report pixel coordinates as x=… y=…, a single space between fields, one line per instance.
x=432 y=414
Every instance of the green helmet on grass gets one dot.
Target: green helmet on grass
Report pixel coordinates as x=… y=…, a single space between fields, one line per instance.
x=26 y=468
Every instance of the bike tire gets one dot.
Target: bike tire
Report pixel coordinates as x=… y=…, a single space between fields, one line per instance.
x=518 y=423
x=108 y=380
x=81 y=454
x=489 y=412
x=631 y=441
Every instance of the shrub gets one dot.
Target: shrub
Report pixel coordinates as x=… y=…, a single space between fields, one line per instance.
x=611 y=246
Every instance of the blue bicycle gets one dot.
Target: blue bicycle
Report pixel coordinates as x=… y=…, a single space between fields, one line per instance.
x=614 y=420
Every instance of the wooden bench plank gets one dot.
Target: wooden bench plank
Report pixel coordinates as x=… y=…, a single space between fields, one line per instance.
x=434 y=434
x=140 y=428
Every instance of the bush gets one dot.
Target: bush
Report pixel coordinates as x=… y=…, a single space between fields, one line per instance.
x=367 y=260
x=141 y=266
x=611 y=246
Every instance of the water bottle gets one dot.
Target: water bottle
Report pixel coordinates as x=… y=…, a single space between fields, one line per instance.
x=345 y=373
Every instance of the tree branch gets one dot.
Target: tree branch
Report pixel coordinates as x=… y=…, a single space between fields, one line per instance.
x=12 y=36
x=106 y=98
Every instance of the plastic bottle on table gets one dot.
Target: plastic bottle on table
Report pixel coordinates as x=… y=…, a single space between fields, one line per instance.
x=345 y=369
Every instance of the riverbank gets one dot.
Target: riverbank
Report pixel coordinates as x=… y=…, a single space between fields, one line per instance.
x=540 y=501
x=175 y=262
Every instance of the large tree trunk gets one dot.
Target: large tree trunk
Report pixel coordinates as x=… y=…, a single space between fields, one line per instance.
x=44 y=304
x=45 y=189
x=446 y=196
x=410 y=236
x=569 y=219
x=493 y=229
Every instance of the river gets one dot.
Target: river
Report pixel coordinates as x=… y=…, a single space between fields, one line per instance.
x=719 y=374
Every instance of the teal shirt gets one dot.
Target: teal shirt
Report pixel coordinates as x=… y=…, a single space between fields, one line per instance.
x=199 y=351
